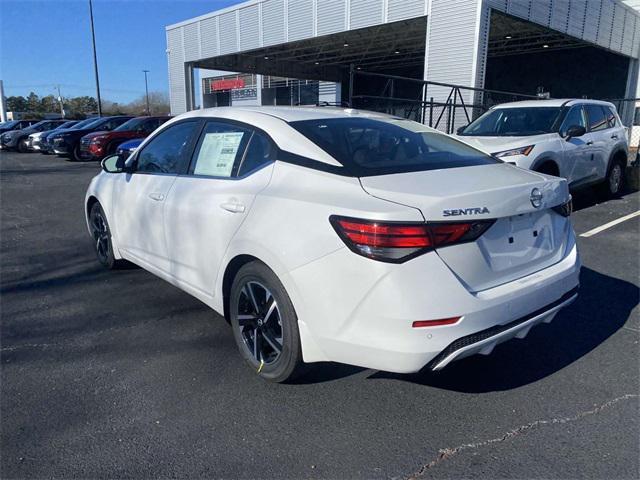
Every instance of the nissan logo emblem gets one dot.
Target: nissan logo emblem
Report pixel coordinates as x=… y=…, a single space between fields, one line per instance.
x=536 y=198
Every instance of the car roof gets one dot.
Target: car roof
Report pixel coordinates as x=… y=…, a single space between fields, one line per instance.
x=554 y=102
x=288 y=114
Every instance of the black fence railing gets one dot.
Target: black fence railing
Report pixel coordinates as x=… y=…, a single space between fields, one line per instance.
x=439 y=105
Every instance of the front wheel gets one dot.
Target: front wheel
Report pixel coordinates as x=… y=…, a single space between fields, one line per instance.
x=614 y=181
x=102 y=237
x=265 y=325
x=75 y=154
x=22 y=146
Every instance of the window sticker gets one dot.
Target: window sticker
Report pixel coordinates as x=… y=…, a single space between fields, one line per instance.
x=217 y=153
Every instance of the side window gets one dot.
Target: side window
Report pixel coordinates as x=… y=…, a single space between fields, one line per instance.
x=259 y=152
x=167 y=151
x=220 y=150
x=575 y=116
x=611 y=117
x=636 y=117
x=597 y=118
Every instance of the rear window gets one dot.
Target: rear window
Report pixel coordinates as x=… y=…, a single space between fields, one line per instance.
x=367 y=147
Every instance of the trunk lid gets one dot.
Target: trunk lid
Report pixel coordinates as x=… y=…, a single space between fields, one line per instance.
x=524 y=239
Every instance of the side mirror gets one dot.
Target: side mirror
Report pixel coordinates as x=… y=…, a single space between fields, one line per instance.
x=460 y=130
x=114 y=164
x=575 y=131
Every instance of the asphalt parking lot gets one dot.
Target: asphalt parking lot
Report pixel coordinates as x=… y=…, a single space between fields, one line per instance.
x=119 y=374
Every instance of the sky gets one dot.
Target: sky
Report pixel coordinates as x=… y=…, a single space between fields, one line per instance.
x=44 y=43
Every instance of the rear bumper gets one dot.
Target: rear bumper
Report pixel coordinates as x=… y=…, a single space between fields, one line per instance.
x=37 y=145
x=369 y=321
x=484 y=341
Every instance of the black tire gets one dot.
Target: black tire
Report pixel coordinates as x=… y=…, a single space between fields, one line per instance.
x=282 y=323
x=75 y=154
x=22 y=145
x=101 y=234
x=613 y=184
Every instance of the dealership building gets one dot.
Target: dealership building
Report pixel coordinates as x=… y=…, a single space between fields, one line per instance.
x=289 y=52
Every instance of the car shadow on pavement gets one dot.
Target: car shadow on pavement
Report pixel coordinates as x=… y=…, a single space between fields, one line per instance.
x=588 y=197
x=602 y=308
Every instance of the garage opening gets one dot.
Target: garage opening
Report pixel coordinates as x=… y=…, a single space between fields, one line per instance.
x=528 y=58
x=293 y=72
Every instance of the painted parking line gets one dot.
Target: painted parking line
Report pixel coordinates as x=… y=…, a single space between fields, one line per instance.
x=612 y=223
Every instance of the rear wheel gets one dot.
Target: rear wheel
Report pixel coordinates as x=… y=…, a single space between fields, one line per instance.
x=265 y=325
x=614 y=181
x=102 y=237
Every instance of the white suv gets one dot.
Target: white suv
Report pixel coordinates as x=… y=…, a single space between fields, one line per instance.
x=583 y=141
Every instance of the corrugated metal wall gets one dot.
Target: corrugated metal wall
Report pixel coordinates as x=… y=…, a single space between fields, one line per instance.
x=177 y=95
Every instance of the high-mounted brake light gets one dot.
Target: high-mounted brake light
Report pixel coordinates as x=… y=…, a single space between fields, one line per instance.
x=398 y=242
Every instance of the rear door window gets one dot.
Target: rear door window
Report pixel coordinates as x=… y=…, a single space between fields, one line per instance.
x=220 y=150
x=597 y=117
x=366 y=146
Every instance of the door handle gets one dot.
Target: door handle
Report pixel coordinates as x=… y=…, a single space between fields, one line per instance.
x=590 y=142
x=158 y=197
x=232 y=207
x=614 y=136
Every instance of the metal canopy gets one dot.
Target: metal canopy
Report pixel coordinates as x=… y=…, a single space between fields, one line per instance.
x=378 y=48
x=511 y=36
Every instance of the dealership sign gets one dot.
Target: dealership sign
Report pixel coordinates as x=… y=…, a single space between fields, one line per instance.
x=227 y=84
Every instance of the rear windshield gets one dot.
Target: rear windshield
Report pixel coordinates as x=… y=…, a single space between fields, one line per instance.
x=366 y=146
x=132 y=124
x=84 y=123
x=514 y=122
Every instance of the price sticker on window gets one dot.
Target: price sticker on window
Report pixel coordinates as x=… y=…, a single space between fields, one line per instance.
x=218 y=153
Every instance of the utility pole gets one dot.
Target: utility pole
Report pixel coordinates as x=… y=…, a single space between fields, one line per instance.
x=60 y=101
x=146 y=89
x=95 y=59
x=3 y=105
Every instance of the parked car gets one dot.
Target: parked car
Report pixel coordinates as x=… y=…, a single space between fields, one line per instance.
x=67 y=143
x=16 y=125
x=339 y=235
x=47 y=142
x=36 y=140
x=97 y=145
x=583 y=141
x=18 y=139
x=127 y=148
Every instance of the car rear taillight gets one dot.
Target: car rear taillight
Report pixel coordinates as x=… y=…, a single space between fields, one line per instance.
x=397 y=242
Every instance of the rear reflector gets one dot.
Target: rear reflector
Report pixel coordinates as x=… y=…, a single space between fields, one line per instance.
x=435 y=323
x=397 y=242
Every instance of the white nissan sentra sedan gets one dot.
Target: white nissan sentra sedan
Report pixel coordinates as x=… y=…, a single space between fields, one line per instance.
x=327 y=234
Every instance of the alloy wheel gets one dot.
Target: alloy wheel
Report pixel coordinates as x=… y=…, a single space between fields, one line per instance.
x=100 y=233
x=260 y=323
x=615 y=178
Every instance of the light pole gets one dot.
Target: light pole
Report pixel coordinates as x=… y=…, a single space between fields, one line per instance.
x=60 y=101
x=95 y=59
x=146 y=89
